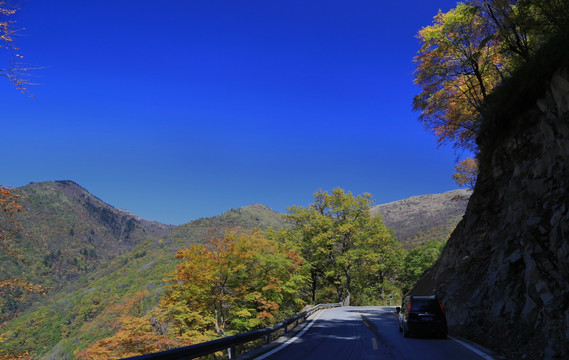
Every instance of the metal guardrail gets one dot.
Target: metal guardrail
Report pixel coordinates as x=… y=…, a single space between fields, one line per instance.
x=229 y=343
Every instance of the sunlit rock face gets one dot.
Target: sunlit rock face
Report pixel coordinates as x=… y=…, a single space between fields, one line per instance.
x=504 y=274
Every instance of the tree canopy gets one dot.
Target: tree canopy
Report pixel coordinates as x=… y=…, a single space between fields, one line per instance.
x=350 y=252
x=466 y=173
x=235 y=283
x=417 y=261
x=459 y=63
x=470 y=50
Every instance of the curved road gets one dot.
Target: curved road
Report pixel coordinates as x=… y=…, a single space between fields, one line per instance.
x=364 y=333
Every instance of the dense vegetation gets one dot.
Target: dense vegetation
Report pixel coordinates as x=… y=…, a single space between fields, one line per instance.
x=350 y=252
x=251 y=267
x=63 y=234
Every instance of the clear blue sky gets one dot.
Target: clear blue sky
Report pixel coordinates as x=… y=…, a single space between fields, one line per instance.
x=183 y=109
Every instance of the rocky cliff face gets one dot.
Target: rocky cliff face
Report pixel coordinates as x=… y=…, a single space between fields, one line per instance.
x=504 y=274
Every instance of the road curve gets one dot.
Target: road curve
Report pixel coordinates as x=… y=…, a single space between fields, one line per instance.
x=364 y=333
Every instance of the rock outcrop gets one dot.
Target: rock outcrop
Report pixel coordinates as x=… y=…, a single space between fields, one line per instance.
x=504 y=274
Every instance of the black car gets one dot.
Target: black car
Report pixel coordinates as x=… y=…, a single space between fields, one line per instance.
x=422 y=314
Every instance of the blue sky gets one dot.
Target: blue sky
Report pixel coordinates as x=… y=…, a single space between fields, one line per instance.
x=177 y=110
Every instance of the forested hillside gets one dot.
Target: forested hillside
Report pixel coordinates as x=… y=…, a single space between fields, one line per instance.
x=105 y=267
x=95 y=258
x=67 y=235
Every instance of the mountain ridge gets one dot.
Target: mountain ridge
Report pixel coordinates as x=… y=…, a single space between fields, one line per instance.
x=418 y=219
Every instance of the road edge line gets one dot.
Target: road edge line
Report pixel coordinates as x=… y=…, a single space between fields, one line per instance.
x=291 y=340
x=472 y=348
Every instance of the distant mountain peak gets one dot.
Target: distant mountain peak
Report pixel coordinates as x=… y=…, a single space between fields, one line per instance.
x=421 y=218
x=67 y=183
x=258 y=207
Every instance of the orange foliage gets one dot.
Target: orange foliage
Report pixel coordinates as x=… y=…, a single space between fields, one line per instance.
x=14 y=71
x=231 y=283
x=136 y=336
x=458 y=65
x=136 y=333
x=466 y=173
x=22 y=356
x=12 y=286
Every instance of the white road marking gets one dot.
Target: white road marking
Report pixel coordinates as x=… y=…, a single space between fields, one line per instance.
x=291 y=340
x=472 y=348
x=374 y=343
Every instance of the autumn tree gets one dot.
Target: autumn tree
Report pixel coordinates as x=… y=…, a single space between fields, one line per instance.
x=466 y=173
x=136 y=332
x=348 y=249
x=458 y=65
x=13 y=69
x=417 y=261
x=468 y=51
x=234 y=283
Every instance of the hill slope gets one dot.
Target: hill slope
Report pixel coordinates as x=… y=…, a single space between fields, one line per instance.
x=418 y=219
x=70 y=233
x=65 y=321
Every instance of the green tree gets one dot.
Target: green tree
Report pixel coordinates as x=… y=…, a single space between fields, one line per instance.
x=417 y=261
x=348 y=249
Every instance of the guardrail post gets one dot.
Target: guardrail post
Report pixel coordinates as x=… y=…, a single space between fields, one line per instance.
x=231 y=352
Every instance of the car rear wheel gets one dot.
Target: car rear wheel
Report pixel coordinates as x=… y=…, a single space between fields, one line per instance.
x=405 y=331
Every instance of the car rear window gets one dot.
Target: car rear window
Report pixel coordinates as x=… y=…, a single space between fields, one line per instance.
x=424 y=305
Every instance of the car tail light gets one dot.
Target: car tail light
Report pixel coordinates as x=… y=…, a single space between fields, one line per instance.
x=442 y=307
x=409 y=306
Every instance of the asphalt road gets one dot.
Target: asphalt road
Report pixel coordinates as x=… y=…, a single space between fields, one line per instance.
x=364 y=333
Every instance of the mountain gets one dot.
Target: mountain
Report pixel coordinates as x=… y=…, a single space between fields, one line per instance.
x=69 y=232
x=248 y=217
x=418 y=219
x=132 y=258
x=68 y=235
x=504 y=273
